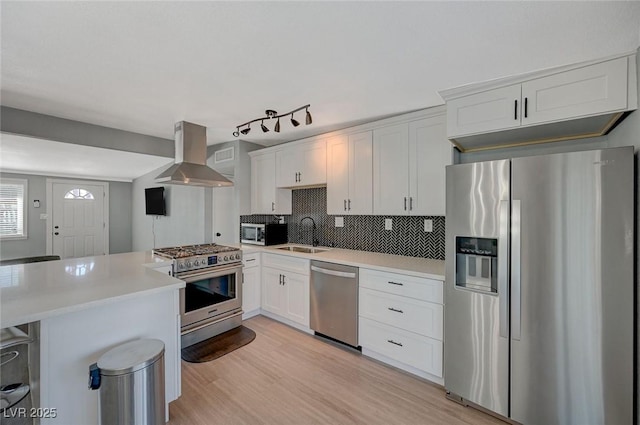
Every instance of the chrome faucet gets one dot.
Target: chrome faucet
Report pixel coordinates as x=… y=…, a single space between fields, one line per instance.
x=315 y=242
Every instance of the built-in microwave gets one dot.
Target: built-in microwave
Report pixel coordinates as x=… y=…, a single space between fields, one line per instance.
x=263 y=234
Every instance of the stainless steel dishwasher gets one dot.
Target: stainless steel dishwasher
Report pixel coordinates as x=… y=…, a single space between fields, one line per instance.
x=334 y=301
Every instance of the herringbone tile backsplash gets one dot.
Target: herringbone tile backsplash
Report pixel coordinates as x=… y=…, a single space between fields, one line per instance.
x=361 y=232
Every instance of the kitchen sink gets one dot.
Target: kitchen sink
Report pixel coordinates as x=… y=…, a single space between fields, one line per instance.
x=305 y=249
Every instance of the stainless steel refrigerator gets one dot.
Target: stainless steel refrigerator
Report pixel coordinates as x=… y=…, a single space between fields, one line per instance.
x=539 y=292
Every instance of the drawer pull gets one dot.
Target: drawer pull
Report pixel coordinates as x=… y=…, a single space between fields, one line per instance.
x=396 y=310
x=250 y=259
x=395 y=283
x=390 y=341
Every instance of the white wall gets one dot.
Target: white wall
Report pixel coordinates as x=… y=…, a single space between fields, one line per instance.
x=184 y=223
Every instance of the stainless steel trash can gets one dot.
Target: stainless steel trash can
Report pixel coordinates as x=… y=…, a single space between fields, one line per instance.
x=131 y=382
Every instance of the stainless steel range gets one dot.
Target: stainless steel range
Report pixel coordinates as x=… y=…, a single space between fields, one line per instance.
x=211 y=302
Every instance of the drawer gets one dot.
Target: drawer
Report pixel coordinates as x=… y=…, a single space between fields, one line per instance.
x=407 y=286
x=285 y=262
x=251 y=260
x=414 y=350
x=409 y=314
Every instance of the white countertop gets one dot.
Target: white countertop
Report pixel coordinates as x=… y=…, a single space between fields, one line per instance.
x=414 y=266
x=35 y=291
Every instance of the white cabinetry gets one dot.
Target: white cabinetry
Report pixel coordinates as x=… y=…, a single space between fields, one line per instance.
x=582 y=100
x=409 y=163
x=401 y=321
x=350 y=174
x=251 y=287
x=285 y=289
x=302 y=165
x=265 y=197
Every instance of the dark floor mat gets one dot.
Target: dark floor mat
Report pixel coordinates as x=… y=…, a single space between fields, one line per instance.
x=218 y=346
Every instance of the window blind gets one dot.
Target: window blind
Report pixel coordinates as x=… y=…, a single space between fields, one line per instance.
x=12 y=208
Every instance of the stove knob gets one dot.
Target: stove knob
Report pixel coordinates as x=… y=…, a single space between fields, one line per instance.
x=226 y=258
x=237 y=256
x=181 y=266
x=188 y=263
x=196 y=263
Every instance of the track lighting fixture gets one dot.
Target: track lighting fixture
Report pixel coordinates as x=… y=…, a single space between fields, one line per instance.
x=271 y=114
x=308 y=119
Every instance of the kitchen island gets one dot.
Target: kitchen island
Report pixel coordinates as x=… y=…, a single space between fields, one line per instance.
x=80 y=308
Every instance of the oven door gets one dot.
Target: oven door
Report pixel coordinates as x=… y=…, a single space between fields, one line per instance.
x=210 y=295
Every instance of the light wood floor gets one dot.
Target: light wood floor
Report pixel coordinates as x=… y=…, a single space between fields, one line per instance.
x=288 y=377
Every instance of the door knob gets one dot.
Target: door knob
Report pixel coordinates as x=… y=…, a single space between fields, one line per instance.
x=218 y=234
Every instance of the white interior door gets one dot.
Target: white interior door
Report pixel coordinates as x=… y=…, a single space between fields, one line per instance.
x=78 y=219
x=226 y=227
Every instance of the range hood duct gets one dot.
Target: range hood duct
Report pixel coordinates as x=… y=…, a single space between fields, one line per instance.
x=191 y=158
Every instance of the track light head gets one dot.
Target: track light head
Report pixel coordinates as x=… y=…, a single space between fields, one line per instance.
x=294 y=122
x=277 y=127
x=246 y=130
x=308 y=119
x=264 y=127
x=237 y=132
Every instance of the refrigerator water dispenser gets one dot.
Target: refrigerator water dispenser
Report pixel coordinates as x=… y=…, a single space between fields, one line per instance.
x=477 y=264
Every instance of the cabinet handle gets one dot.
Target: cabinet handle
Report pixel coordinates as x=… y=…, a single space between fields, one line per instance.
x=515 y=110
x=410 y=203
x=396 y=310
x=250 y=259
x=283 y=279
x=299 y=176
x=395 y=283
x=394 y=343
x=345 y=204
x=273 y=206
x=525 y=106
x=56 y=233
x=349 y=208
x=405 y=203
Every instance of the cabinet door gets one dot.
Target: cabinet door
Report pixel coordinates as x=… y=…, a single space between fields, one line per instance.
x=491 y=110
x=429 y=154
x=263 y=183
x=313 y=169
x=360 y=199
x=337 y=175
x=251 y=288
x=390 y=170
x=272 y=291
x=297 y=298
x=287 y=166
x=591 y=90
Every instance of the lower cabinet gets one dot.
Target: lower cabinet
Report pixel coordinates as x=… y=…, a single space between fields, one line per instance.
x=251 y=287
x=285 y=288
x=401 y=321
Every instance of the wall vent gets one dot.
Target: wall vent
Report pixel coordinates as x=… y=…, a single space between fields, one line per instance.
x=224 y=155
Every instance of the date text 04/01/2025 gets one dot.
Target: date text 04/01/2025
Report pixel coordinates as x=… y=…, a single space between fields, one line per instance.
x=23 y=412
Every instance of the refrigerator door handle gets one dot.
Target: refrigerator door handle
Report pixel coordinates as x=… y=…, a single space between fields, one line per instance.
x=503 y=268
x=515 y=269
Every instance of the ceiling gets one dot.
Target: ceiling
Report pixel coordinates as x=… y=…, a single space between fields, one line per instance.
x=45 y=157
x=142 y=66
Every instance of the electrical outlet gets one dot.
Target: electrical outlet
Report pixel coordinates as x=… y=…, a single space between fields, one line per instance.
x=428 y=225
x=281 y=219
x=388 y=224
x=339 y=222
x=43 y=216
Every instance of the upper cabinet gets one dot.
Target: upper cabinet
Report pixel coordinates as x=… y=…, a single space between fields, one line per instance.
x=583 y=100
x=302 y=165
x=350 y=174
x=409 y=163
x=265 y=197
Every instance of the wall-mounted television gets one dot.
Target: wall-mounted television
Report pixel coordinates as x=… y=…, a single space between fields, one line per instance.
x=154 y=201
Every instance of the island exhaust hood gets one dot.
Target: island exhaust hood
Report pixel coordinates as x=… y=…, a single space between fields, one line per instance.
x=191 y=158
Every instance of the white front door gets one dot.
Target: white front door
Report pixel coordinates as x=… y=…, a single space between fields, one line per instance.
x=78 y=219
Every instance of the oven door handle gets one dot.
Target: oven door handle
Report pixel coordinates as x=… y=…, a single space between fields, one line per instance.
x=201 y=274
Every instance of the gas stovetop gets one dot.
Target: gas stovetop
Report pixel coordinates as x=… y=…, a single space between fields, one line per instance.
x=195 y=257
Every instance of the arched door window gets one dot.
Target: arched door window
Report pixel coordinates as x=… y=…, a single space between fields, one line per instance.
x=78 y=194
